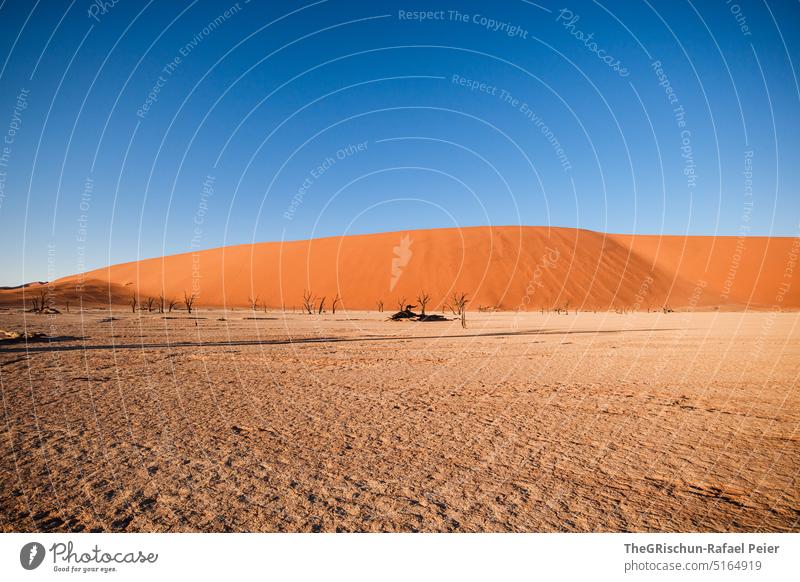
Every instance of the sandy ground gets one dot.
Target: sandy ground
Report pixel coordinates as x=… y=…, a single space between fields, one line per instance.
x=589 y=422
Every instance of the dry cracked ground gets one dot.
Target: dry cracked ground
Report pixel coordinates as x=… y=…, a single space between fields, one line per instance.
x=236 y=421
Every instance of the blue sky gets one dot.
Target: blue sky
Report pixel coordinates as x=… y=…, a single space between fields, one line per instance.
x=135 y=129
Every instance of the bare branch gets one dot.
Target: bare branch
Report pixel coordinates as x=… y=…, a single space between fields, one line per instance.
x=308 y=302
x=423 y=299
x=188 y=301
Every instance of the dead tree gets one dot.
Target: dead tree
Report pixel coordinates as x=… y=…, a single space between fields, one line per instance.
x=458 y=301
x=43 y=302
x=321 y=306
x=150 y=303
x=336 y=300
x=134 y=302
x=253 y=302
x=461 y=304
x=171 y=304
x=188 y=301
x=423 y=299
x=308 y=302
x=401 y=303
x=161 y=303
x=380 y=306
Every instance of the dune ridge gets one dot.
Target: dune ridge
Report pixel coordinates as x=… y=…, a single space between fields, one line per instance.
x=506 y=268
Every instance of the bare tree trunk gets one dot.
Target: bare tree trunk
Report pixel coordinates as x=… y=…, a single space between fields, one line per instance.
x=189 y=300
x=308 y=302
x=423 y=300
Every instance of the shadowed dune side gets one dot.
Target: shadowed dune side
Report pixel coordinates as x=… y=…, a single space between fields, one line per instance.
x=756 y=271
x=92 y=292
x=505 y=267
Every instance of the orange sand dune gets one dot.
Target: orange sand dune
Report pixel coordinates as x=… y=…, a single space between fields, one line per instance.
x=505 y=267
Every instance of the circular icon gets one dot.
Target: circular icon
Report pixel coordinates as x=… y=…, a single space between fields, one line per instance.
x=31 y=555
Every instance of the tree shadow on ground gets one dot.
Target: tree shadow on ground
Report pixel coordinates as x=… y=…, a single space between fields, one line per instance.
x=288 y=341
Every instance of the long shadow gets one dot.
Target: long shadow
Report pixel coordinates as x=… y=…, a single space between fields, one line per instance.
x=288 y=341
x=34 y=340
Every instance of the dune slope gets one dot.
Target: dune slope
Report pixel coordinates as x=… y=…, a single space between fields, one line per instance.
x=508 y=268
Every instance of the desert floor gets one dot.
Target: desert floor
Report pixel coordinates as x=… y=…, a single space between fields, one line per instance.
x=588 y=422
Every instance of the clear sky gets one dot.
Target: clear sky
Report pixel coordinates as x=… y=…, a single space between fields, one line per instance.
x=133 y=129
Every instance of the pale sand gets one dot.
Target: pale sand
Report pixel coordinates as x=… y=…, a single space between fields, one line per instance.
x=589 y=422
